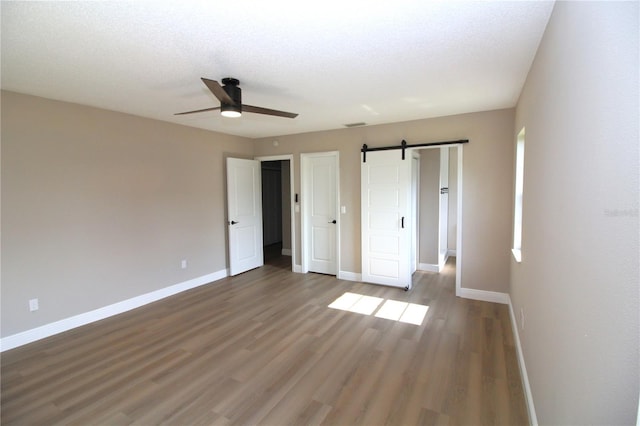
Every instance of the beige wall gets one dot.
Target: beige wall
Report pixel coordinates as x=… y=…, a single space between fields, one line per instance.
x=453 y=199
x=578 y=281
x=487 y=184
x=429 y=206
x=99 y=207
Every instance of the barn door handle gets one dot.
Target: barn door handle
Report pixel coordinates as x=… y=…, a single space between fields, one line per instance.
x=402 y=221
x=333 y=221
x=233 y=222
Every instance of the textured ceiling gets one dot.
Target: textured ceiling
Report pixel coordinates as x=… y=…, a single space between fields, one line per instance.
x=333 y=62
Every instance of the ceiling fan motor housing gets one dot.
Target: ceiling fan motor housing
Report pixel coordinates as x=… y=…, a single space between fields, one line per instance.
x=234 y=92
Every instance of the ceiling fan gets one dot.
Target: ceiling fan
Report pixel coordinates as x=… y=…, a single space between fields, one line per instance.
x=230 y=97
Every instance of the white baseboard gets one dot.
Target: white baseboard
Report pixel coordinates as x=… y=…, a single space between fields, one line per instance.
x=429 y=267
x=349 y=276
x=533 y=419
x=56 y=327
x=484 y=295
x=504 y=298
x=451 y=253
x=286 y=252
x=297 y=269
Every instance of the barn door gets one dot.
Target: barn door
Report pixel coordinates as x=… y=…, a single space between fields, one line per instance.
x=386 y=218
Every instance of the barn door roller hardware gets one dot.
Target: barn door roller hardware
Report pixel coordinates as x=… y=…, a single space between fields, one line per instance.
x=403 y=146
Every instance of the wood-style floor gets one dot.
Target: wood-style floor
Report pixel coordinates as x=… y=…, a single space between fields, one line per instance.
x=264 y=348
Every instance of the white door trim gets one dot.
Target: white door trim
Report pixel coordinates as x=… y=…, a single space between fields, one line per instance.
x=292 y=204
x=304 y=180
x=415 y=207
x=459 y=188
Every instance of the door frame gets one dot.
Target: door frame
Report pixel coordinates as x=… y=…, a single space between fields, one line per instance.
x=459 y=189
x=305 y=237
x=286 y=157
x=415 y=207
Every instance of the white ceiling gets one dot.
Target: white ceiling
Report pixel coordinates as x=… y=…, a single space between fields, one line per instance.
x=333 y=62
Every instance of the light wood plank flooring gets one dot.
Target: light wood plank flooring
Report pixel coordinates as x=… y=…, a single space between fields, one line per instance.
x=264 y=348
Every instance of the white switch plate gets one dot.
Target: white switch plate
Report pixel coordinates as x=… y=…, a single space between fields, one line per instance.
x=184 y=264
x=343 y=209
x=33 y=305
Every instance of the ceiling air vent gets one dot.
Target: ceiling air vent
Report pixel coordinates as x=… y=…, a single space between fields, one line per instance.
x=355 y=124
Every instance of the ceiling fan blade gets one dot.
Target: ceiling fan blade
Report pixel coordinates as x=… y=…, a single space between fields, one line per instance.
x=218 y=91
x=267 y=111
x=198 y=110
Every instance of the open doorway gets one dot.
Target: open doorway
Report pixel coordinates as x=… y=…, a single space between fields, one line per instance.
x=438 y=208
x=277 y=211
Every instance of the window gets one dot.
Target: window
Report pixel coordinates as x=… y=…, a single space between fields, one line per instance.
x=517 y=215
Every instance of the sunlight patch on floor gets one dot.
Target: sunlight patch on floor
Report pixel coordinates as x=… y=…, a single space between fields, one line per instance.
x=358 y=303
x=410 y=313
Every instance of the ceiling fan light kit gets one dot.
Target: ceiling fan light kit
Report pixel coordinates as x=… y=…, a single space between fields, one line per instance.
x=230 y=97
x=230 y=111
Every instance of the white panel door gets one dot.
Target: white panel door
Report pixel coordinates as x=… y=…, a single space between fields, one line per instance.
x=386 y=218
x=244 y=209
x=320 y=210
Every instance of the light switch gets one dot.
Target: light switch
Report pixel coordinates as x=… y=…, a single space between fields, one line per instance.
x=343 y=209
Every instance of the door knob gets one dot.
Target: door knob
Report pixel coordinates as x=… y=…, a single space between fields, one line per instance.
x=333 y=221
x=233 y=222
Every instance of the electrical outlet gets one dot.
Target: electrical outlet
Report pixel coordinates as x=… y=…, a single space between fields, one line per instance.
x=184 y=264
x=33 y=305
x=521 y=319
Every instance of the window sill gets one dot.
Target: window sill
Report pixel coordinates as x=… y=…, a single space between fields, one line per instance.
x=517 y=255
